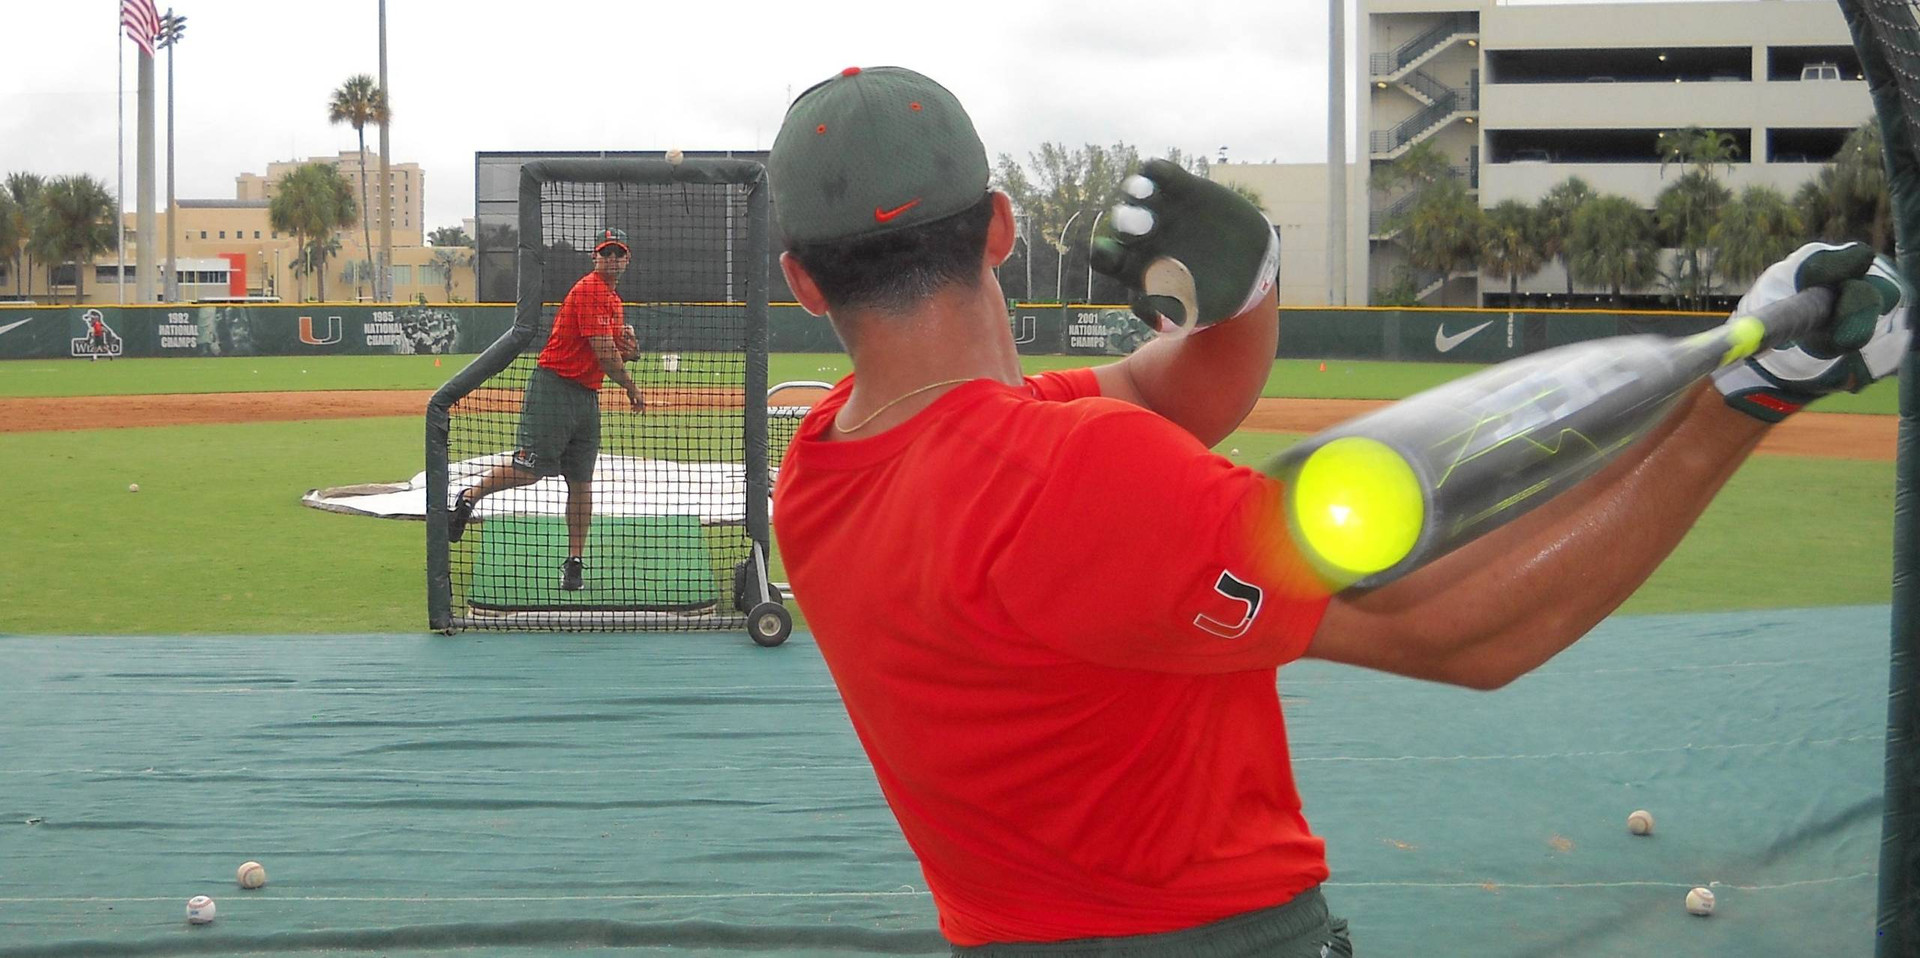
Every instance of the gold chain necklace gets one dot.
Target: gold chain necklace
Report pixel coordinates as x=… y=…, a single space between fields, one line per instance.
x=889 y=404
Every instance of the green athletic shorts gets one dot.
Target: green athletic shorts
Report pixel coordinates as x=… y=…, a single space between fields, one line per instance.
x=559 y=427
x=1300 y=928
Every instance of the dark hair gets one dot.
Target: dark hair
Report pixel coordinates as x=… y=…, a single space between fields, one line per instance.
x=898 y=269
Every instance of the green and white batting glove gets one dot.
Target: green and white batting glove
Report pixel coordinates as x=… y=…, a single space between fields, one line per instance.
x=1192 y=251
x=1862 y=342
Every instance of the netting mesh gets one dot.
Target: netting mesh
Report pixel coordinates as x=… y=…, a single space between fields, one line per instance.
x=1887 y=40
x=1892 y=33
x=668 y=527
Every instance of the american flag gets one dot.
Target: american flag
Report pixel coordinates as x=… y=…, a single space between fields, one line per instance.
x=141 y=21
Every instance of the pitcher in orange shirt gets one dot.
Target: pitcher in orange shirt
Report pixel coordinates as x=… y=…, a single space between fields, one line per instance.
x=559 y=432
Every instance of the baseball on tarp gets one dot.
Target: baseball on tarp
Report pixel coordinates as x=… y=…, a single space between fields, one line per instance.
x=1700 y=902
x=200 y=910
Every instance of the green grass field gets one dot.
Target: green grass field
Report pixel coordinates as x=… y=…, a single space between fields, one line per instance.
x=217 y=542
x=1291 y=378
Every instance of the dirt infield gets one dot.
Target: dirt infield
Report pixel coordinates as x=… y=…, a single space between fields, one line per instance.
x=1827 y=435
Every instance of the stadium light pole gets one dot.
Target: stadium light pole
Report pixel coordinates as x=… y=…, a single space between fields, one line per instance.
x=1060 y=261
x=1091 y=232
x=172 y=28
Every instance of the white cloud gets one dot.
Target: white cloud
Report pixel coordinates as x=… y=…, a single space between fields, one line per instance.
x=253 y=78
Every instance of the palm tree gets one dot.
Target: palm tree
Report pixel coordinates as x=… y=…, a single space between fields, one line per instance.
x=312 y=203
x=358 y=272
x=448 y=259
x=11 y=230
x=449 y=236
x=1704 y=149
x=1443 y=230
x=1684 y=213
x=358 y=102
x=1510 y=245
x=1421 y=166
x=1848 y=199
x=77 y=220
x=1613 y=245
x=24 y=190
x=1754 y=230
x=1556 y=211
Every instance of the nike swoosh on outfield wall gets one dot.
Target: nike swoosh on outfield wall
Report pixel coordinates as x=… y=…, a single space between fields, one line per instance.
x=1445 y=343
x=15 y=325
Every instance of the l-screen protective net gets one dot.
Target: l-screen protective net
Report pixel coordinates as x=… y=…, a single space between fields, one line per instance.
x=669 y=496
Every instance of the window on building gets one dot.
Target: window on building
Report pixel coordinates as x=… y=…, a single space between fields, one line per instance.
x=402 y=276
x=223 y=234
x=256 y=234
x=433 y=276
x=203 y=234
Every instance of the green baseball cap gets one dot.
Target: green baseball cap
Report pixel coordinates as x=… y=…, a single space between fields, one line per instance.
x=871 y=151
x=609 y=237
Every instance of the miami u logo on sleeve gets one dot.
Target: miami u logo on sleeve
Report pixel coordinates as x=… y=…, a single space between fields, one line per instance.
x=1244 y=594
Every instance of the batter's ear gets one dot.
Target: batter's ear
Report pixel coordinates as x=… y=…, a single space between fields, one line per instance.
x=805 y=290
x=1000 y=230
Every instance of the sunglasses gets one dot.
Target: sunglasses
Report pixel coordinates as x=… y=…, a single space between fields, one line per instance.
x=613 y=251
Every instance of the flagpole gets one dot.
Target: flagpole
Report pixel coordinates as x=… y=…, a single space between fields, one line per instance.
x=120 y=160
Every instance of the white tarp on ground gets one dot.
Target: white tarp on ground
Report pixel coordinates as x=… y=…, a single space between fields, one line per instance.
x=622 y=486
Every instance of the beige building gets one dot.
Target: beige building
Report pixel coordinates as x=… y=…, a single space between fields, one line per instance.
x=1294 y=198
x=227 y=249
x=406 y=191
x=1522 y=96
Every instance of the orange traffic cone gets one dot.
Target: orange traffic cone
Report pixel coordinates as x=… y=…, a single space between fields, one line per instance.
x=436 y=363
x=1323 y=366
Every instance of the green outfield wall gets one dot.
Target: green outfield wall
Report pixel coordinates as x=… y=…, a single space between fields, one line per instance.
x=1423 y=335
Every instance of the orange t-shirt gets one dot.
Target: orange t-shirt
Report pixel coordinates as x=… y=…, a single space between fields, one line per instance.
x=592 y=308
x=1055 y=620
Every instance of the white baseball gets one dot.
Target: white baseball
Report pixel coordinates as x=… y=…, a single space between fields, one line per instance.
x=200 y=910
x=133 y=487
x=1640 y=822
x=251 y=875
x=674 y=156
x=1700 y=902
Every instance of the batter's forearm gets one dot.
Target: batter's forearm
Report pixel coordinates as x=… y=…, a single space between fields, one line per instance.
x=1208 y=380
x=610 y=363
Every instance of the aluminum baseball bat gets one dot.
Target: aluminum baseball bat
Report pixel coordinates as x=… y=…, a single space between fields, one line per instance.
x=1383 y=494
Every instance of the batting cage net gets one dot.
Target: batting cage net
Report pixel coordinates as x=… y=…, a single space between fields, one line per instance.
x=672 y=527
x=1886 y=37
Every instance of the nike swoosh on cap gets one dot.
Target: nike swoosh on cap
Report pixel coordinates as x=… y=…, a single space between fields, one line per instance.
x=888 y=216
x=1445 y=343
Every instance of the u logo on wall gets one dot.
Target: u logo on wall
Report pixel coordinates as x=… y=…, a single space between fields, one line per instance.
x=307 y=334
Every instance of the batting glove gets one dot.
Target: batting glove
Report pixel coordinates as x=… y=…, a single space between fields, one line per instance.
x=1862 y=342
x=1192 y=251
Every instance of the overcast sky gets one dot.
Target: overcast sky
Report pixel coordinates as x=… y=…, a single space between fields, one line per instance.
x=252 y=78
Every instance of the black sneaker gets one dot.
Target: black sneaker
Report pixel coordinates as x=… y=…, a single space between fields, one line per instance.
x=458 y=517
x=571 y=574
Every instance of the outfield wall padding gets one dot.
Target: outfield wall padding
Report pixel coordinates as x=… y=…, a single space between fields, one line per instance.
x=1401 y=335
